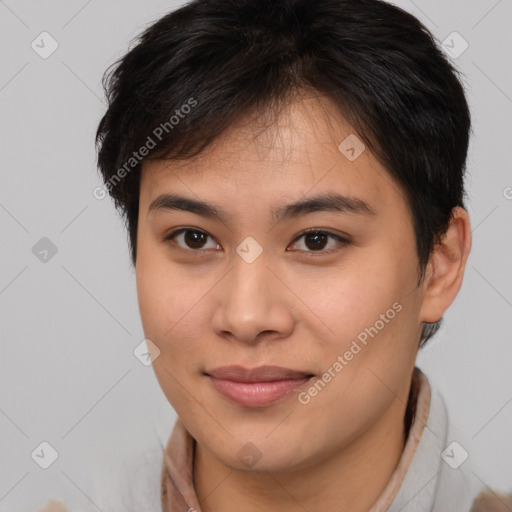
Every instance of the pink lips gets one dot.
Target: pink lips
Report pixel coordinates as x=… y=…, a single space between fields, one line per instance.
x=258 y=387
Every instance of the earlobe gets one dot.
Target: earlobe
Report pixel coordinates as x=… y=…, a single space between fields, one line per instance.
x=445 y=270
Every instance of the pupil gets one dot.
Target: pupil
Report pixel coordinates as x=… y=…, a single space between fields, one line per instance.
x=319 y=240
x=193 y=239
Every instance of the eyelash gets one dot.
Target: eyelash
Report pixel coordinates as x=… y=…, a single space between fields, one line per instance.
x=343 y=241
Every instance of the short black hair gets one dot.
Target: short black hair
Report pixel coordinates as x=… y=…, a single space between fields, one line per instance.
x=198 y=69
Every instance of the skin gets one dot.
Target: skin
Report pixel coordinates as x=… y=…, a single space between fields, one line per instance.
x=294 y=306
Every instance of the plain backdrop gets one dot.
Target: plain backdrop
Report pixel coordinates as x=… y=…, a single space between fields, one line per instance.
x=69 y=317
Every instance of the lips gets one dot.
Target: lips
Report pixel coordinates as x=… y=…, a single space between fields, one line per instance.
x=258 y=387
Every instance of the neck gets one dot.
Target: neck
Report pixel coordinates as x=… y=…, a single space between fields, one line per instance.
x=351 y=479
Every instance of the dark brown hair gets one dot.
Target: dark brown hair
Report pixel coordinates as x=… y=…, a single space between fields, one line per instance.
x=195 y=71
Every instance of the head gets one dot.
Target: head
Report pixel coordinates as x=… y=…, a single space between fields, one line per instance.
x=233 y=128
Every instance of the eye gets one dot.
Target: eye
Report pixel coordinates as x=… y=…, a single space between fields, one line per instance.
x=316 y=240
x=191 y=239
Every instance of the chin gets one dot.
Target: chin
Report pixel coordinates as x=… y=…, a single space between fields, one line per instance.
x=278 y=454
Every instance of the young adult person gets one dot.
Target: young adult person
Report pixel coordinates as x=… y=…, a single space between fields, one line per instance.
x=292 y=177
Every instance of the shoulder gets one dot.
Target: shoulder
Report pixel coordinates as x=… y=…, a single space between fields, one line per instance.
x=443 y=474
x=55 y=506
x=128 y=482
x=492 y=501
x=459 y=482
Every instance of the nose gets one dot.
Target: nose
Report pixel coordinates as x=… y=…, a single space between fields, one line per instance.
x=252 y=303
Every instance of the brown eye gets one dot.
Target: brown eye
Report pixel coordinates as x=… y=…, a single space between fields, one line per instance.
x=316 y=241
x=195 y=239
x=191 y=239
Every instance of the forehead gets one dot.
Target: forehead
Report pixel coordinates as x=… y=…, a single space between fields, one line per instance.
x=306 y=149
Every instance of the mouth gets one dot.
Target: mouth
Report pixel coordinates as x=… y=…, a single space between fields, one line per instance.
x=258 y=387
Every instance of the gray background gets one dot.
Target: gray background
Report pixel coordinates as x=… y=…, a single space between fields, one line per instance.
x=69 y=325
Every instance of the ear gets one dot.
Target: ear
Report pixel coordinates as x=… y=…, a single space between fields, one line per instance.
x=445 y=269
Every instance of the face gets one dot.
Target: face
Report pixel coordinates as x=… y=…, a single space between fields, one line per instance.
x=242 y=284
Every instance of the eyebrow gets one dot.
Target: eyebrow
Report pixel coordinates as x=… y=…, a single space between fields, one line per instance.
x=321 y=203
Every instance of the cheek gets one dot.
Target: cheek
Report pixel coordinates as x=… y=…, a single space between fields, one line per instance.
x=367 y=316
x=172 y=305
x=348 y=299
x=160 y=290
x=170 y=310
x=366 y=358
